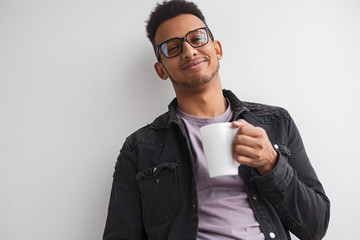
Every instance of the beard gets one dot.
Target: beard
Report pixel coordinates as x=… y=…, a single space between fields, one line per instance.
x=196 y=82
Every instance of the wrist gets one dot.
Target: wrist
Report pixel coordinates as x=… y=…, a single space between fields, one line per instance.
x=270 y=164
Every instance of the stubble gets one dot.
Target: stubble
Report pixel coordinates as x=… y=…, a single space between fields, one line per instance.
x=196 y=82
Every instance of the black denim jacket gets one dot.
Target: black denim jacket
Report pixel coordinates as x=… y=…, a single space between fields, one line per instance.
x=154 y=193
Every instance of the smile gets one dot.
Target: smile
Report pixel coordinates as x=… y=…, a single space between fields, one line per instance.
x=193 y=65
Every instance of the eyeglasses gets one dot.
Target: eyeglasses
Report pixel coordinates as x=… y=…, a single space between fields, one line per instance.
x=174 y=46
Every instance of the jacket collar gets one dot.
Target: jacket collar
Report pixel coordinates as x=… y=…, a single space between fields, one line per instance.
x=169 y=118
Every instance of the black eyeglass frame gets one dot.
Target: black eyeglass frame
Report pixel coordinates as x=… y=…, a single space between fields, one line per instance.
x=208 y=32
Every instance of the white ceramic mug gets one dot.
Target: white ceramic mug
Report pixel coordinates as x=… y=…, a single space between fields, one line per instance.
x=218 y=145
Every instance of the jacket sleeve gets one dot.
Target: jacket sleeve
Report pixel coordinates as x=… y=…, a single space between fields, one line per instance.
x=124 y=219
x=294 y=190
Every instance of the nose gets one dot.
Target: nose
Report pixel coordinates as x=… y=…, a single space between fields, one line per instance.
x=188 y=51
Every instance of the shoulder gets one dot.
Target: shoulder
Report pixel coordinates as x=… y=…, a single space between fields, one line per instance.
x=266 y=113
x=261 y=112
x=151 y=134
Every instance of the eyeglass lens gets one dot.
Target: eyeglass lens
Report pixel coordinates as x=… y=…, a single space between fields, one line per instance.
x=173 y=47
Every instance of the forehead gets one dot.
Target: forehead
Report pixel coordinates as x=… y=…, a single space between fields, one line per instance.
x=177 y=27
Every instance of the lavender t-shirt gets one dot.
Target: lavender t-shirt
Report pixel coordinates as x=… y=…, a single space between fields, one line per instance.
x=224 y=207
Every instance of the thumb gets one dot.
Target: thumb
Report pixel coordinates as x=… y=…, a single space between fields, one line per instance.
x=239 y=123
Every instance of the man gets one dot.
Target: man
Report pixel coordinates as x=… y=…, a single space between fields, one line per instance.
x=161 y=187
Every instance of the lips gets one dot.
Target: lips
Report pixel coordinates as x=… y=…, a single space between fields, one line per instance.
x=193 y=65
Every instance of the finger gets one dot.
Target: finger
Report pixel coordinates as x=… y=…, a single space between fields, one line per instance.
x=239 y=123
x=243 y=150
x=242 y=139
x=244 y=160
x=248 y=129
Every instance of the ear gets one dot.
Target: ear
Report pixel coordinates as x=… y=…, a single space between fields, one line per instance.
x=218 y=49
x=161 y=71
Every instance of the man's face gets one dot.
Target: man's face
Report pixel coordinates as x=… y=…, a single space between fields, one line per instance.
x=193 y=67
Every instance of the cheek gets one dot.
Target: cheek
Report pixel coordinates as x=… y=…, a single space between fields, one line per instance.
x=211 y=53
x=214 y=61
x=171 y=69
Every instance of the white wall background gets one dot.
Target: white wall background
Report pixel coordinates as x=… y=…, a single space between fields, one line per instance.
x=76 y=77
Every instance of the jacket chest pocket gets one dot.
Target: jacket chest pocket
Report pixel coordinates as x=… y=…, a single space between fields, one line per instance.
x=159 y=192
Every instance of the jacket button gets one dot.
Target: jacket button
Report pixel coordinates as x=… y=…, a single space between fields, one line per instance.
x=276 y=146
x=272 y=235
x=254 y=197
x=194 y=205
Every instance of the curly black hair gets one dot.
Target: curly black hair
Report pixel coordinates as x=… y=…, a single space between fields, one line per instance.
x=167 y=10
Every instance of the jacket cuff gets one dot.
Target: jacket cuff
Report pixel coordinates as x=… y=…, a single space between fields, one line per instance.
x=277 y=180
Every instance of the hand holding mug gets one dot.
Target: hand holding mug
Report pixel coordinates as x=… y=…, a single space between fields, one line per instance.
x=253 y=148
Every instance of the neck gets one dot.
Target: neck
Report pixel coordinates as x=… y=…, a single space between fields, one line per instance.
x=204 y=102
